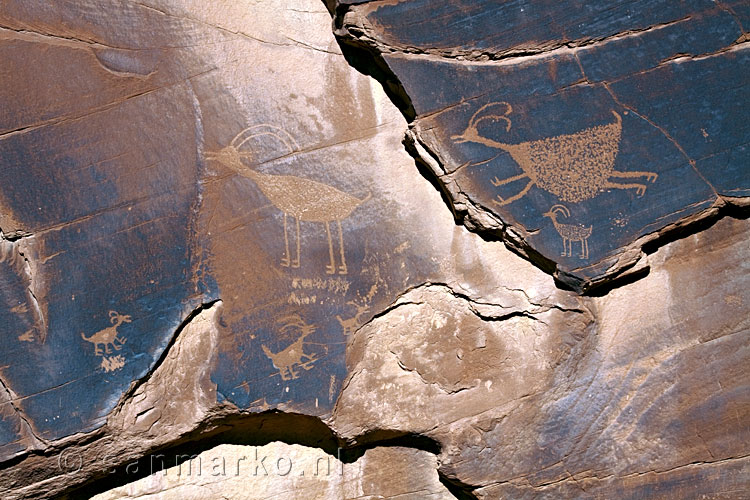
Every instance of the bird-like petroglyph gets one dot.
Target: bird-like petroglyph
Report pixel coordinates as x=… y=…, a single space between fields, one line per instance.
x=570 y=232
x=573 y=167
x=300 y=198
x=294 y=354
x=109 y=336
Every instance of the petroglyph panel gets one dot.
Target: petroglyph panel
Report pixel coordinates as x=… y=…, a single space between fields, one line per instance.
x=524 y=105
x=213 y=232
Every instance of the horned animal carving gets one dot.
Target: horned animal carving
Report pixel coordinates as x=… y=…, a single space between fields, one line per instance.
x=570 y=232
x=108 y=336
x=350 y=325
x=300 y=198
x=573 y=167
x=294 y=354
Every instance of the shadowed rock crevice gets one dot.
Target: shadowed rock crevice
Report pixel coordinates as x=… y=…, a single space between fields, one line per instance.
x=253 y=430
x=368 y=60
x=458 y=489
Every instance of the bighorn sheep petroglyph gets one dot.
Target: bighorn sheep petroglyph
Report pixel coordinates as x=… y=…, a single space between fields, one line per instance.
x=570 y=232
x=573 y=167
x=294 y=353
x=108 y=336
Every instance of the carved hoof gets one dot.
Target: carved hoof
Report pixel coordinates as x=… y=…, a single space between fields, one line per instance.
x=652 y=177
x=641 y=190
x=343 y=270
x=295 y=264
x=499 y=201
x=285 y=261
x=330 y=269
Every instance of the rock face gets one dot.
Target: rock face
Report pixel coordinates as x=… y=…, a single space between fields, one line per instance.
x=291 y=471
x=220 y=239
x=577 y=131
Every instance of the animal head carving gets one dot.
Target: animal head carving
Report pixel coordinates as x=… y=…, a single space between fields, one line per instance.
x=228 y=156
x=494 y=112
x=552 y=212
x=115 y=317
x=295 y=322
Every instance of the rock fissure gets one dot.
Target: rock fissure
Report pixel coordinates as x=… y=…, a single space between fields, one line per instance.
x=205 y=307
x=358 y=29
x=36 y=442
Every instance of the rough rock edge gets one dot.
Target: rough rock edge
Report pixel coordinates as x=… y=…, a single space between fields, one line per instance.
x=125 y=440
x=485 y=311
x=82 y=465
x=365 y=53
x=48 y=461
x=626 y=262
x=355 y=24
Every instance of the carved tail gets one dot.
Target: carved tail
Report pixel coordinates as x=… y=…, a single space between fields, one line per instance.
x=87 y=339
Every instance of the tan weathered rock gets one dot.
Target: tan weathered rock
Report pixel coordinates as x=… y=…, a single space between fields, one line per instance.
x=459 y=359
x=279 y=470
x=179 y=394
x=643 y=383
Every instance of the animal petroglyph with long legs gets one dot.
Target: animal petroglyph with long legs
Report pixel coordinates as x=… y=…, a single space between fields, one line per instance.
x=297 y=197
x=350 y=325
x=573 y=167
x=108 y=336
x=570 y=232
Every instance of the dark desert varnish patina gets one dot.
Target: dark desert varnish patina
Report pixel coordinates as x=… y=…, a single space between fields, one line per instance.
x=631 y=115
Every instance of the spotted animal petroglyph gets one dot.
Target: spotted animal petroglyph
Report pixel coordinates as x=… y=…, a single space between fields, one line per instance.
x=294 y=354
x=109 y=336
x=573 y=167
x=302 y=199
x=570 y=232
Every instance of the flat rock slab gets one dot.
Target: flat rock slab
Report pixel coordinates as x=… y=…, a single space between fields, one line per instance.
x=579 y=130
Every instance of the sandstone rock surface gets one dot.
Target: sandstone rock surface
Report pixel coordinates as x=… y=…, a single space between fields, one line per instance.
x=219 y=239
x=576 y=131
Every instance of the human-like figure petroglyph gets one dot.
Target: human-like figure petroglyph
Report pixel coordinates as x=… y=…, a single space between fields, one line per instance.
x=294 y=354
x=302 y=199
x=570 y=232
x=108 y=336
x=573 y=167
